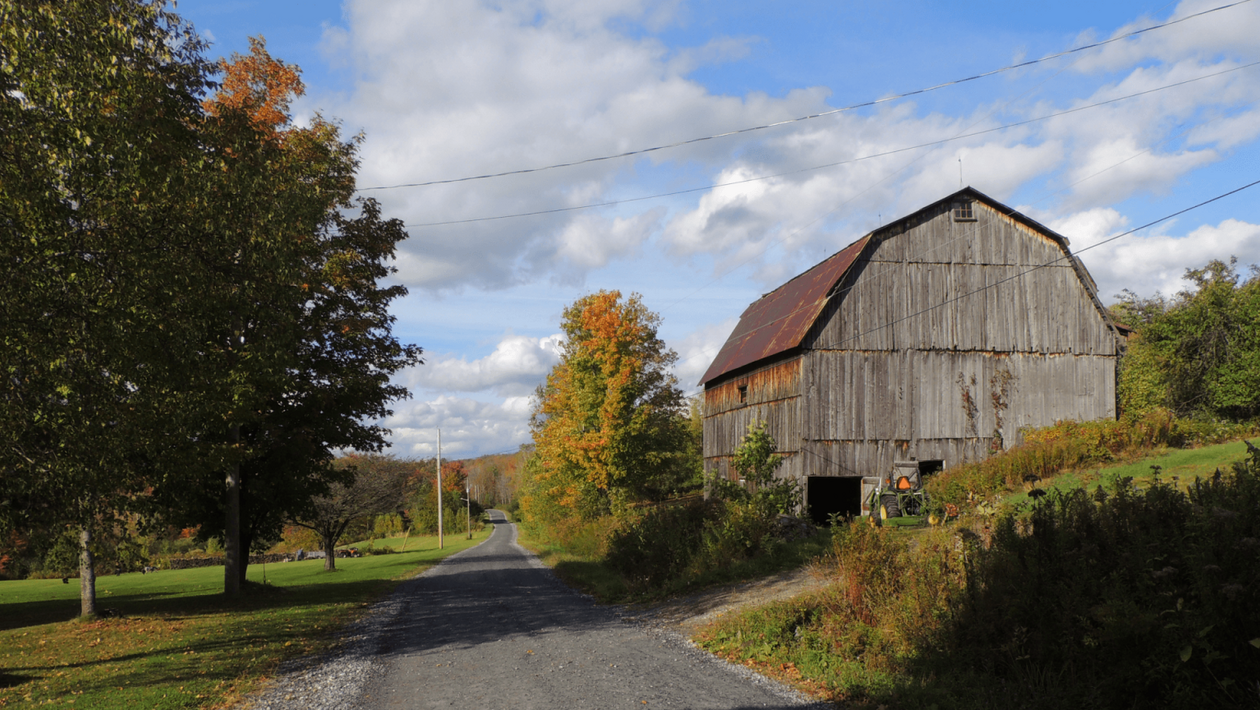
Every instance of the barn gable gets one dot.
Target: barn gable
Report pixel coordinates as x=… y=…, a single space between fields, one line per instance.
x=936 y=337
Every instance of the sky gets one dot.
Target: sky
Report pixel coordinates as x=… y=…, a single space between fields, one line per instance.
x=1094 y=143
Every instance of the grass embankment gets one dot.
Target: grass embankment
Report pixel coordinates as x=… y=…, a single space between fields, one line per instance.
x=1107 y=592
x=178 y=642
x=673 y=551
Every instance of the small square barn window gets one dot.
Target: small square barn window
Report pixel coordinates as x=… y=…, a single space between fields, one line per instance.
x=963 y=212
x=743 y=393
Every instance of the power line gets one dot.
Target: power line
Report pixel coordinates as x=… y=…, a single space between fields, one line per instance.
x=1016 y=276
x=1108 y=240
x=810 y=117
x=894 y=151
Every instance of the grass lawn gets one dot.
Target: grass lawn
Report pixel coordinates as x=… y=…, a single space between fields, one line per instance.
x=178 y=643
x=406 y=543
x=1177 y=466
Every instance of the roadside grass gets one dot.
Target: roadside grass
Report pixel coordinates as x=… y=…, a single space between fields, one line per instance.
x=582 y=564
x=576 y=555
x=177 y=642
x=901 y=627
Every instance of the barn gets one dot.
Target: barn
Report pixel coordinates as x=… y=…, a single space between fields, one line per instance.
x=936 y=339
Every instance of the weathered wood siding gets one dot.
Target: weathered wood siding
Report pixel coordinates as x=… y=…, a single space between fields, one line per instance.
x=924 y=288
x=772 y=394
x=870 y=408
x=914 y=335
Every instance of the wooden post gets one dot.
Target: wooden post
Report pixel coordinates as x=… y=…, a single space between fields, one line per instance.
x=439 y=488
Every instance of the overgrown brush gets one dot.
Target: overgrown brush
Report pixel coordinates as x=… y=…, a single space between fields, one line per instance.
x=1068 y=444
x=1138 y=598
x=858 y=638
x=672 y=545
x=1133 y=598
x=577 y=537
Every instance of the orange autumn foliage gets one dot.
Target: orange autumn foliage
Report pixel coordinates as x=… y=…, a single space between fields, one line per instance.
x=606 y=423
x=259 y=85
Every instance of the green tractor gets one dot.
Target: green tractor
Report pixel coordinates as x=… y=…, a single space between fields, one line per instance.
x=898 y=498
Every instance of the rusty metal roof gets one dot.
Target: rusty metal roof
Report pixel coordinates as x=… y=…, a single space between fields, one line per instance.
x=779 y=320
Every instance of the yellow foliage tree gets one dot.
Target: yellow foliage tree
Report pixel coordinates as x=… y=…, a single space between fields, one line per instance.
x=609 y=424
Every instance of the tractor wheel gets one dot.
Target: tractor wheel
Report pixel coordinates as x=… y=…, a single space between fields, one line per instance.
x=888 y=507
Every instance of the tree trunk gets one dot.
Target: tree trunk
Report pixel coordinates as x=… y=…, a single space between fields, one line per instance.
x=87 y=574
x=247 y=542
x=330 y=553
x=232 y=568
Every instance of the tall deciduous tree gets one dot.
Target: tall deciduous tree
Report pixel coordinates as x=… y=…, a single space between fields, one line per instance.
x=1199 y=353
x=304 y=335
x=100 y=164
x=608 y=423
x=190 y=290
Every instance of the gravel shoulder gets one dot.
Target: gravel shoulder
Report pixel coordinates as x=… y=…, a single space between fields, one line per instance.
x=688 y=613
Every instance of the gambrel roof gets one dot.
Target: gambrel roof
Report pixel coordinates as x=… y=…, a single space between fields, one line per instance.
x=778 y=322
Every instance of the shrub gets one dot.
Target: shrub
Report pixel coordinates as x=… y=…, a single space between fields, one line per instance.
x=898 y=596
x=657 y=545
x=671 y=546
x=755 y=462
x=1134 y=599
x=1048 y=451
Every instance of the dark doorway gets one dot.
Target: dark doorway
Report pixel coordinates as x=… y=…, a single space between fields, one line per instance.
x=828 y=495
x=929 y=466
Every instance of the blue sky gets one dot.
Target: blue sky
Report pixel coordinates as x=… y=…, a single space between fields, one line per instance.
x=448 y=89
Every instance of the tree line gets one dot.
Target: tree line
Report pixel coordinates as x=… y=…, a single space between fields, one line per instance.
x=193 y=307
x=1196 y=353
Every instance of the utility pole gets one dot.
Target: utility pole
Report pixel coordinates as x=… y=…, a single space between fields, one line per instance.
x=468 y=510
x=439 y=488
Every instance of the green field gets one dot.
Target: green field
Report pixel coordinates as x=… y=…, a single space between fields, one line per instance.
x=1177 y=467
x=177 y=642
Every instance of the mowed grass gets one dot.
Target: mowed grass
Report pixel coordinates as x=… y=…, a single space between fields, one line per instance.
x=178 y=643
x=1178 y=467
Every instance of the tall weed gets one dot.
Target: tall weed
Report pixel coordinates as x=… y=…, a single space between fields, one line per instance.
x=673 y=545
x=1129 y=598
x=1048 y=451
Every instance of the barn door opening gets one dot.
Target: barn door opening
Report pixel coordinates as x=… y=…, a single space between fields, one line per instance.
x=828 y=495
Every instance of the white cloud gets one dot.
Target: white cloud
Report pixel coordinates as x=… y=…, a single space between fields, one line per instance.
x=1230 y=31
x=517 y=365
x=455 y=89
x=591 y=242
x=697 y=350
x=469 y=427
x=1146 y=264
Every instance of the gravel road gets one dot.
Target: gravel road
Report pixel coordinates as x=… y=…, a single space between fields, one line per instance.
x=491 y=627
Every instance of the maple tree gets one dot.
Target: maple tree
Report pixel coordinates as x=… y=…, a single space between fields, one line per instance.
x=193 y=307
x=303 y=335
x=100 y=170
x=608 y=424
